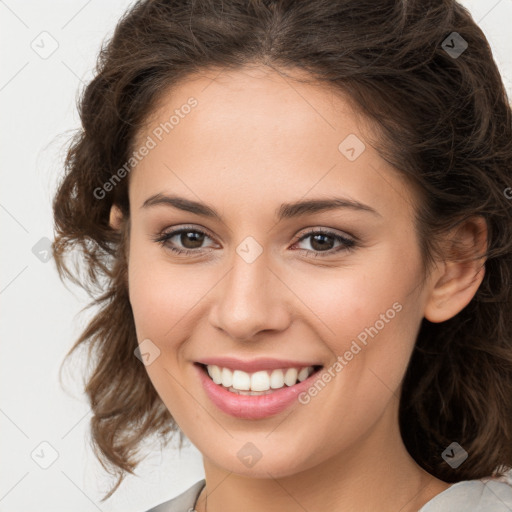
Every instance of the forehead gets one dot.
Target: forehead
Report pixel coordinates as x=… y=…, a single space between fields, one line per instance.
x=258 y=132
x=240 y=101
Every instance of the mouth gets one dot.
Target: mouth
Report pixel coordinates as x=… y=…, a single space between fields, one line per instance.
x=222 y=385
x=262 y=382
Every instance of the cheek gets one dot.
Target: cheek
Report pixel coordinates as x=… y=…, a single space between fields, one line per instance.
x=161 y=294
x=369 y=315
x=349 y=299
x=161 y=297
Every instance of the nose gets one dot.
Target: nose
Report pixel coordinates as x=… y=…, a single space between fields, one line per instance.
x=251 y=299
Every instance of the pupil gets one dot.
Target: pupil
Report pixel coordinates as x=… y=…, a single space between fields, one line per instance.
x=322 y=245
x=191 y=236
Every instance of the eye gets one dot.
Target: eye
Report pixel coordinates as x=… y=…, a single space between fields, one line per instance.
x=190 y=238
x=322 y=241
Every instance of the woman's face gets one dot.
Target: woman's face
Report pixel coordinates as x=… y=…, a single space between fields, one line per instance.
x=247 y=149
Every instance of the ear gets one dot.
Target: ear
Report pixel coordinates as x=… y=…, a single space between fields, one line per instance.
x=116 y=217
x=461 y=272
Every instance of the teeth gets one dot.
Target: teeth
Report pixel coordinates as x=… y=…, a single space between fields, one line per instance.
x=303 y=374
x=261 y=382
x=277 y=379
x=215 y=373
x=290 y=377
x=241 y=380
x=252 y=393
x=226 y=377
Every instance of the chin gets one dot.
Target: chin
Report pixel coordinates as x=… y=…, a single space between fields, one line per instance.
x=244 y=458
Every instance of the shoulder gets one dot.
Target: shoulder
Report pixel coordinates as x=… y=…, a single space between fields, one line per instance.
x=483 y=495
x=184 y=502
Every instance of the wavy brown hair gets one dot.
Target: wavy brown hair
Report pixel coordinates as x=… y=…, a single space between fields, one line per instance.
x=443 y=120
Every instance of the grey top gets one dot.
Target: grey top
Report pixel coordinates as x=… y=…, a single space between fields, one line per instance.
x=484 y=495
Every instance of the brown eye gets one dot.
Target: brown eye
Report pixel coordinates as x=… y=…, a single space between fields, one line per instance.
x=183 y=240
x=322 y=243
x=191 y=239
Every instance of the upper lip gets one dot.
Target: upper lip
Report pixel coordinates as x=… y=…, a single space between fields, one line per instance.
x=254 y=365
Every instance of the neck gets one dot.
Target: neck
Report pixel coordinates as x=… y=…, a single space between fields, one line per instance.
x=376 y=473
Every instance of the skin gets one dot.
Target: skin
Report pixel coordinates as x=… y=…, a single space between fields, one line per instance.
x=254 y=141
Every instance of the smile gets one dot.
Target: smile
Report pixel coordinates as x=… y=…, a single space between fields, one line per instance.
x=261 y=382
x=254 y=395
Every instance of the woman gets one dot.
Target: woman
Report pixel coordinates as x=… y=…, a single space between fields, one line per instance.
x=296 y=221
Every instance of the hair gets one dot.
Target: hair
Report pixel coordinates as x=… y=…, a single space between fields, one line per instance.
x=444 y=121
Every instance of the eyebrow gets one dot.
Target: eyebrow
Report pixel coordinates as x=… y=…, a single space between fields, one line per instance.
x=285 y=210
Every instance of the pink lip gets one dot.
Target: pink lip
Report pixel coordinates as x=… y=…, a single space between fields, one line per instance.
x=256 y=364
x=256 y=406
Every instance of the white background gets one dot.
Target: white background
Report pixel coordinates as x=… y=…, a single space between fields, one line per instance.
x=40 y=317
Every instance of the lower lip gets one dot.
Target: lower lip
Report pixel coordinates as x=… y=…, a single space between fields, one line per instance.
x=252 y=407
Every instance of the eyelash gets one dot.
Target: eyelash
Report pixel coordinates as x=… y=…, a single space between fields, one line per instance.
x=347 y=243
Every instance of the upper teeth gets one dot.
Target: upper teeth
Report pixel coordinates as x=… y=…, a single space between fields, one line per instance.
x=258 y=381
